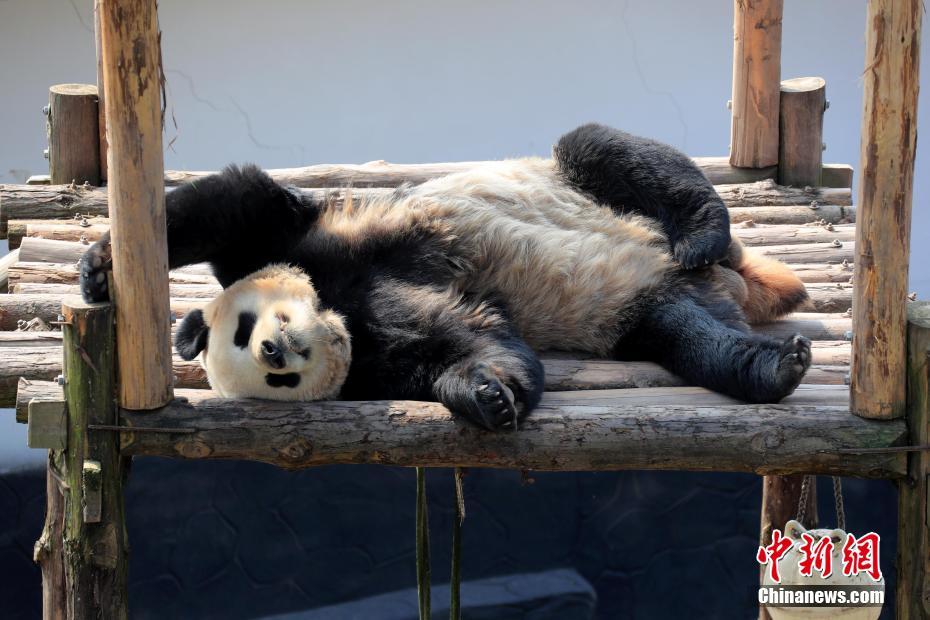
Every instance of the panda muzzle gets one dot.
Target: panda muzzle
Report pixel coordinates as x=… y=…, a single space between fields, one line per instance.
x=273 y=354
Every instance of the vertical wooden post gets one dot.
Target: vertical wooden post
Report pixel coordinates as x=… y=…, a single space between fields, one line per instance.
x=801 y=107
x=800 y=131
x=756 y=81
x=83 y=550
x=883 y=216
x=913 y=565
x=135 y=190
x=101 y=108
x=73 y=134
x=780 y=498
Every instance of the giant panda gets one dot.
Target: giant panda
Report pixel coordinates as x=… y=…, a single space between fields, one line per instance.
x=617 y=246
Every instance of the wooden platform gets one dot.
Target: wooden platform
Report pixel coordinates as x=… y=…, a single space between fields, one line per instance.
x=597 y=414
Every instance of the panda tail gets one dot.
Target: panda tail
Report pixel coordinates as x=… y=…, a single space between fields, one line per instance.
x=772 y=288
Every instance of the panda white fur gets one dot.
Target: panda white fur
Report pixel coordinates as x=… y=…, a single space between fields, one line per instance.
x=618 y=247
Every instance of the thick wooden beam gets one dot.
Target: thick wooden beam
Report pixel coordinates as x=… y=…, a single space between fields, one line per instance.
x=756 y=77
x=886 y=164
x=682 y=428
x=73 y=134
x=131 y=59
x=913 y=565
x=91 y=552
x=662 y=428
x=800 y=131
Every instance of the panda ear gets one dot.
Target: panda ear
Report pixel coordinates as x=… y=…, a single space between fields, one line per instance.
x=191 y=337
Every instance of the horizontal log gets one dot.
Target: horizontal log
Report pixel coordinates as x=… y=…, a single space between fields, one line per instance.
x=835 y=253
x=35 y=363
x=89 y=229
x=56 y=202
x=823 y=272
x=787 y=234
x=30 y=339
x=681 y=428
x=649 y=428
x=562 y=374
x=831 y=214
x=57 y=274
x=769 y=193
x=813 y=325
x=15 y=308
x=6 y=262
x=832 y=297
x=188 y=291
x=384 y=174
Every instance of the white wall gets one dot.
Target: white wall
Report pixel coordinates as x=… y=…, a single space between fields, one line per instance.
x=286 y=83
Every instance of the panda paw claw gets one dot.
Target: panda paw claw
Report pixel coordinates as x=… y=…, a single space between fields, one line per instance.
x=491 y=403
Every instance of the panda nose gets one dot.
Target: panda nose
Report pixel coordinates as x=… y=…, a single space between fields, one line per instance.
x=273 y=354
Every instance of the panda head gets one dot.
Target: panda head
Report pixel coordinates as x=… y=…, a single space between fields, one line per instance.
x=266 y=336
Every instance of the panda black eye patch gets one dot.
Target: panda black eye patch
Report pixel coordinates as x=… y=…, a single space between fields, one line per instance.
x=244 y=330
x=291 y=380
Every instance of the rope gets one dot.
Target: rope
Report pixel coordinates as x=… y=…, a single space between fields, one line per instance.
x=422 y=539
x=838 y=502
x=455 y=579
x=803 y=499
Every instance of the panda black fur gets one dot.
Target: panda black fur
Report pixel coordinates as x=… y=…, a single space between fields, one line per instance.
x=618 y=246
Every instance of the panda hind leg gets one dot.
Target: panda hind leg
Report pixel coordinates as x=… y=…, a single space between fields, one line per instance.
x=687 y=339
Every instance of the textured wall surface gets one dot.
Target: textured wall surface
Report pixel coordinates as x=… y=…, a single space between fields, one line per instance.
x=240 y=540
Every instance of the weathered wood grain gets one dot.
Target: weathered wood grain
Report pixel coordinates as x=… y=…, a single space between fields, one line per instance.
x=886 y=163
x=649 y=428
x=788 y=214
x=800 y=131
x=913 y=561
x=756 y=77
x=131 y=62
x=73 y=134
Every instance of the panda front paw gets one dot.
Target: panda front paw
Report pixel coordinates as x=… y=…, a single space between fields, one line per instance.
x=94 y=267
x=479 y=394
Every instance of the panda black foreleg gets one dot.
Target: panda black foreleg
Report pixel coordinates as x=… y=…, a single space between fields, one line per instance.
x=684 y=337
x=429 y=343
x=638 y=175
x=239 y=220
x=495 y=386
